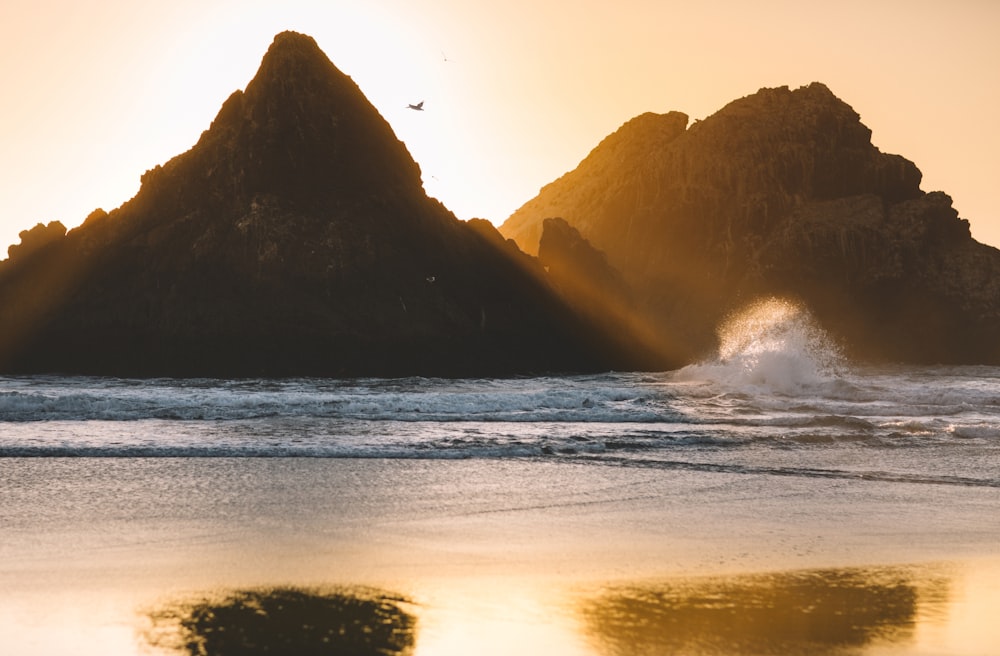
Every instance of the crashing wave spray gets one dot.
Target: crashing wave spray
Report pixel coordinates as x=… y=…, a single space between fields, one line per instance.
x=773 y=343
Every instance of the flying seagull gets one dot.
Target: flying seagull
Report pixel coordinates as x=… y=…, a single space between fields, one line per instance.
x=419 y=106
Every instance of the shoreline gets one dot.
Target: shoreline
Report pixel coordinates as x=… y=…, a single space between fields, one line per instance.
x=502 y=543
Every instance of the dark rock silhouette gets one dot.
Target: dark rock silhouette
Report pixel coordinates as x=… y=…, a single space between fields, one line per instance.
x=36 y=238
x=779 y=193
x=598 y=293
x=286 y=620
x=294 y=238
x=818 y=612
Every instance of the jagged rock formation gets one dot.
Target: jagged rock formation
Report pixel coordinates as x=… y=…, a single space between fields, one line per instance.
x=293 y=238
x=781 y=192
x=35 y=238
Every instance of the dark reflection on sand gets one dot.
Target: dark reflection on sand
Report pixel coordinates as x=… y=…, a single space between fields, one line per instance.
x=811 y=612
x=285 y=621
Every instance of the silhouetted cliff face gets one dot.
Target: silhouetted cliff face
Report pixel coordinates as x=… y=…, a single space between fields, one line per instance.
x=781 y=192
x=293 y=238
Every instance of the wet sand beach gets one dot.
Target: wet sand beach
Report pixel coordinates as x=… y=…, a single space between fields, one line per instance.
x=498 y=557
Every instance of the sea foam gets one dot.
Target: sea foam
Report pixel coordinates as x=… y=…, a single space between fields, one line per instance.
x=774 y=345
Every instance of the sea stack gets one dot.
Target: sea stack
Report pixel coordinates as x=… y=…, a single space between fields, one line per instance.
x=294 y=238
x=780 y=193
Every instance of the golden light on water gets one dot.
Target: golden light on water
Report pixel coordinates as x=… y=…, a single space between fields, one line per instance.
x=915 y=610
x=967 y=623
x=816 y=612
x=500 y=615
x=763 y=326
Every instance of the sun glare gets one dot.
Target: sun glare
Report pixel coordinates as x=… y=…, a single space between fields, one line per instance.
x=499 y=616
x=761 y=327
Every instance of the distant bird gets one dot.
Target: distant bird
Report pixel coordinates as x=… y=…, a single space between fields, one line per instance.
x=419 y=106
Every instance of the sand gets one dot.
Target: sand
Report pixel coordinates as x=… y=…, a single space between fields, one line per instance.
x=501 y=557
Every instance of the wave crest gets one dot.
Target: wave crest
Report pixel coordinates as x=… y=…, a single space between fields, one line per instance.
x=774 y=344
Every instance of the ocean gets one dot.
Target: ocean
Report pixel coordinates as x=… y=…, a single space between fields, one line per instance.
x=534 y=514
x=782 y=412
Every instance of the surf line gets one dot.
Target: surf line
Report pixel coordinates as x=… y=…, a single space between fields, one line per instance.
x=875 y=477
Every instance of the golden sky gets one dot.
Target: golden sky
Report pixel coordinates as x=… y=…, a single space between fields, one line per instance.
x=95 y=92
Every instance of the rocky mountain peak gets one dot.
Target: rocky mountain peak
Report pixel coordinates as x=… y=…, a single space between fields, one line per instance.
x=779 y=192
x=301 y=133
x=294 y=237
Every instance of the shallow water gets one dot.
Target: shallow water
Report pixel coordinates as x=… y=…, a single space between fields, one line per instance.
x=925 y=425
x=497 y=556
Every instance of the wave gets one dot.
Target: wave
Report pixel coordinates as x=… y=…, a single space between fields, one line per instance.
x=775 y=367
x=873 y=476
x=776 y=411
x=979 y=431
x=772 y=345
x=573 y=399
x=610 y=457
x=134 y=451
x=856 y=402
x=340 y=438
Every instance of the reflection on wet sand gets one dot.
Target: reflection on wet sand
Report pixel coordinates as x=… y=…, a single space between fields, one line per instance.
x=821 y=612
x=918 y=609
x=285 y=621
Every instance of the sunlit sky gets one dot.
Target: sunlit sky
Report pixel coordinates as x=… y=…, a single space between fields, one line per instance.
x=95 y=92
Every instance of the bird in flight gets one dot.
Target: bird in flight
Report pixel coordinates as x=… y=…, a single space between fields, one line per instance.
x=419 y=106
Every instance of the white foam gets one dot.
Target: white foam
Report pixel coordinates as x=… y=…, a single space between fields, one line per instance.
x=772 y=345
x=981 y=431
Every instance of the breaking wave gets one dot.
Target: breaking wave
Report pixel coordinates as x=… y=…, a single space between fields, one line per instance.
x=567 y=399
x=773 y=345
x=776 y=399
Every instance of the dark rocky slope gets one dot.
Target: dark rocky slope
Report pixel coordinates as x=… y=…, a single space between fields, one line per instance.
x=294 y=238
x=779 y=193
x=584 y=279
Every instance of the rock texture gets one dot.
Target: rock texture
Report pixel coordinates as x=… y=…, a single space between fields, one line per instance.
x=294 y=238
x=779 y=193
